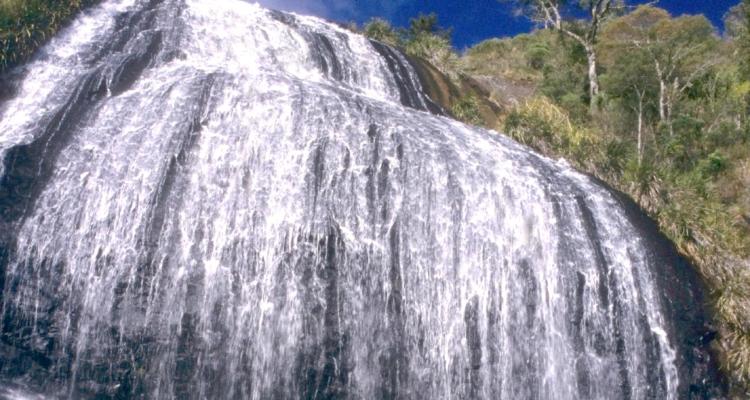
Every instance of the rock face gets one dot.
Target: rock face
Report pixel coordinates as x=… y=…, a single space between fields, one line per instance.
x=206 y=199
x=446 y=94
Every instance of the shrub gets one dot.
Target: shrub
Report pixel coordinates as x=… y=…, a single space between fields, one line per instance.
x=546 y=127
x=537 y=55
x=437 y=50
x=713 y=165
x=466 y=109
x=521 y=58
x=382 y=31
x=643 y=182
x=617 y=154
x=26 y=24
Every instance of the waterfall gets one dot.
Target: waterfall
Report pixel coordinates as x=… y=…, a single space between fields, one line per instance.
x=209 y=199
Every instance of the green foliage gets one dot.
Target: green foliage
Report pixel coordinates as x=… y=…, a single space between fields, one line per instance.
x=693 y=171
x=618 y=154
x=730 y=306
x=631 y=87
x=537 y=55
x=685 y=146
x=466 y=109
x=562 y=16
x=427 y=24
x=699 y=147
x=437 y=50
x=26 y=24
x=713 y=165
x=564 y=77
x=541 y=58
x=424 y=38
x=642 y=181
x=548 y=128
x=736 y=20
x=382 y=31
x=508 y=58
x=742 y=43
x=679 y=52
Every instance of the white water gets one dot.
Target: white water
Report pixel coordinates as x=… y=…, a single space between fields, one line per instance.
x=245 y=220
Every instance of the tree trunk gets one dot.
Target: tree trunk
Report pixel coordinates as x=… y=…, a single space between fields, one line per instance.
x=640 y=127
x=667 y=97
x=593 y=76
x=662 y=101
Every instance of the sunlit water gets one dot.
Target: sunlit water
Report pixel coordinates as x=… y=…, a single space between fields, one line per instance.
x=206 y=199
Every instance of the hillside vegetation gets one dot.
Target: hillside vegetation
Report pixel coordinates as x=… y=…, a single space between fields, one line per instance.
x=668 y=126
x=26 y=24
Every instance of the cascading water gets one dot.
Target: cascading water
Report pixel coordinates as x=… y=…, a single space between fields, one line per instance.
x=207 y=199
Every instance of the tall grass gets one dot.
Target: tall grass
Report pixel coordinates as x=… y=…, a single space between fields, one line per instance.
x=27 y=24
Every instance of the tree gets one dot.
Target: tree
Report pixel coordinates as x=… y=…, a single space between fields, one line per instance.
x=629 y=81
x=552 y=14
x=745 y=48
x=382 y=31
x=424 y=25
x=677 y=48
x=735 y=20
x=737 y=28
x=424 y=38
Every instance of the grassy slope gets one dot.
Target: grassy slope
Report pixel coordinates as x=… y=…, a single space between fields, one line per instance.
x=26 y=24
x=704 y=211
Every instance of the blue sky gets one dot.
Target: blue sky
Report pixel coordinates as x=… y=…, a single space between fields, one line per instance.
x=472 y=20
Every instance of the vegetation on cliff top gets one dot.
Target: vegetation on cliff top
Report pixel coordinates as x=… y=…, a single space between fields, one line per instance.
x=426 y=39
x=26 y=24
x=668 y=125
x=670 y=128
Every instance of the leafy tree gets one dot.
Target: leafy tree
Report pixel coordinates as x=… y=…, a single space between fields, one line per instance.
x=423 y=23
x=678 y=50
x=745 y=49
x=630 y=82
x=559 y=15
x=564 y=79
x=737 y=27
x=427 y=24
x=735 y=20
